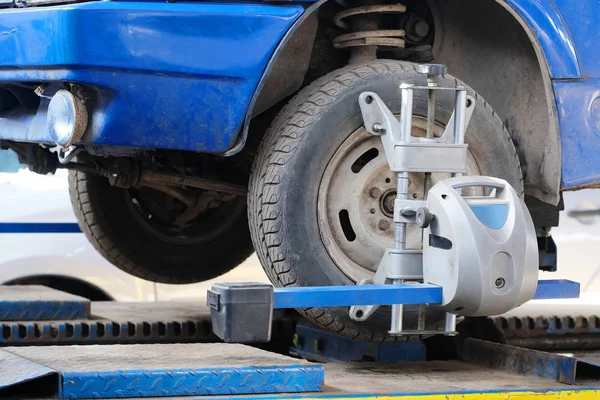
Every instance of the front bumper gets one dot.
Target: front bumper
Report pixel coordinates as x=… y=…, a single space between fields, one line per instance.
x=160 y=75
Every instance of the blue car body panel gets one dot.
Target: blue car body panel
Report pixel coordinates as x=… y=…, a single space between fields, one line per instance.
x=552 y=34
x=174 y=76
x=183 y=75
x=581 y=18
x=569 y=36
x=578 y=105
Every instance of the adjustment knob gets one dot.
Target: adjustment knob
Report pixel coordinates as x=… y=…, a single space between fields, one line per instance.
x=424 y=217
x=432 y=69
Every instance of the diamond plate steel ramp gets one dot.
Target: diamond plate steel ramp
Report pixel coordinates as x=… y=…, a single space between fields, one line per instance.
x=18 y=376
x=160 y=370
x=564 y=369
x=39 y=303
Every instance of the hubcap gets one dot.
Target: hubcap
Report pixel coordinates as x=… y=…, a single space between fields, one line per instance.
x=355 y=206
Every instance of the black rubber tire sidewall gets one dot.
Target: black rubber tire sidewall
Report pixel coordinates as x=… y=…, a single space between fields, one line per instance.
x=108 y=223
x=293 y=157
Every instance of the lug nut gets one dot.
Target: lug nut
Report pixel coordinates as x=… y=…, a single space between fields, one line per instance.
x=384 y=225
x=500 y=282
x=375 y=192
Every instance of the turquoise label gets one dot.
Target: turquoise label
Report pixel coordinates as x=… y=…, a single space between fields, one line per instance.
x=491 y=215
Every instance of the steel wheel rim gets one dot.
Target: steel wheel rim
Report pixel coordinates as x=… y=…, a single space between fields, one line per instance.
x=355 y=202
x=208 y=226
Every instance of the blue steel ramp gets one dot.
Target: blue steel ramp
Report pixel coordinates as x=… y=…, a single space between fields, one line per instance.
x=39 y=303
x=564 y=369
x=141 y=371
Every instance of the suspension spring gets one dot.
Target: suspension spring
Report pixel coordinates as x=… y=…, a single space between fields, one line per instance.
x=366 y=37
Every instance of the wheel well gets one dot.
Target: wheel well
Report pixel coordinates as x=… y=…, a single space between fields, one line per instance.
x=483 y=43
x=66 y=284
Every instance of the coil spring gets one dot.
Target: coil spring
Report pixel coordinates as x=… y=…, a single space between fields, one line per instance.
x=390 y=38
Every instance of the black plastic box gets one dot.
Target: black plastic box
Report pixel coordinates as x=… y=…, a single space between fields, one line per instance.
x=241 y=312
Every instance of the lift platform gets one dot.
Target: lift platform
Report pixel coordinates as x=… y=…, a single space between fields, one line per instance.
x=195 y=364
x=170 y=370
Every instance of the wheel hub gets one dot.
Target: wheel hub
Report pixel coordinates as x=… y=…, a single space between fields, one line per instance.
x=386 y=203
x=172 y=220
x=355 y=206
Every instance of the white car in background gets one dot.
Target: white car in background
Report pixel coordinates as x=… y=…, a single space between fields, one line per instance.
x=38 y=246
x=67 y=261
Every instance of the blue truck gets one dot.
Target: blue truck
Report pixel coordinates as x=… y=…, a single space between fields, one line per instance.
x=198 y=132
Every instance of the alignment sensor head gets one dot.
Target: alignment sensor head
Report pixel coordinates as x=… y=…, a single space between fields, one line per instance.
x=482 y=250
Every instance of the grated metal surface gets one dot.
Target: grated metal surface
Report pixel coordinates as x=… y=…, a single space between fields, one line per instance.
x=130 y=323
x=554 y=333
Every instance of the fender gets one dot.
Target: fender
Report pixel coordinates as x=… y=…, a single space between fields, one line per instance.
x=569 y=45
x=243 y=134
x=546 y=27
x=540 y=19
x=144 y=64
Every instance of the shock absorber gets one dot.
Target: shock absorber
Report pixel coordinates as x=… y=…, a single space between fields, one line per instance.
x=366 y=36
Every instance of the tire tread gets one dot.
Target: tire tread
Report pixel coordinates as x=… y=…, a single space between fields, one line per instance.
x=286 y=132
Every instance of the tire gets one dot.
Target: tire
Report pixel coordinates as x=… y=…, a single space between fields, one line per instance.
x=219 y=242
x=286 y=190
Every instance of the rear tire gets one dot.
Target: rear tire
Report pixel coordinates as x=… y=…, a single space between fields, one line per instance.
x=286 y=185
x=219 y=241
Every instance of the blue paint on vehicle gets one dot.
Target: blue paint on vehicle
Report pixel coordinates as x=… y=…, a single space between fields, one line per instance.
x=581 y=17
x=552 y=34
x=39 y=227
x=183 y=75
x=167 y=75
x=578 y=105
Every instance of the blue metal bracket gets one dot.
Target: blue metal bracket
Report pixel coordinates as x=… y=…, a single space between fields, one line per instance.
x=557 y=289
x=366 y=295
x=316 y=344
x=232 y=303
